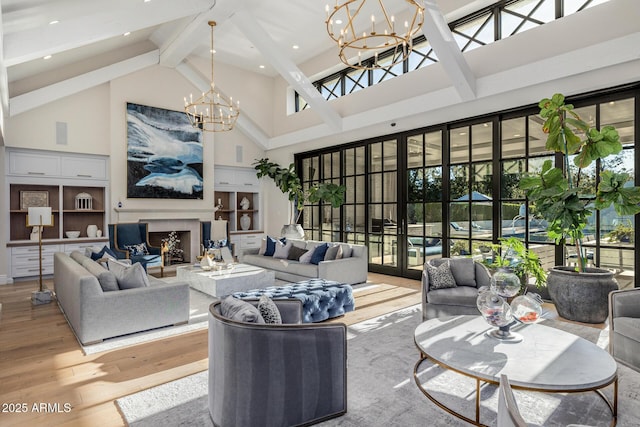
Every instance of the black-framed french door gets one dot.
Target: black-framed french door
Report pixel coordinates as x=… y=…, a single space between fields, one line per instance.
x=452 y=190
x=385 y=214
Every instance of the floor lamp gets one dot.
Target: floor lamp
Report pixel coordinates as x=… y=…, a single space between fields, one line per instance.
x=40 y=217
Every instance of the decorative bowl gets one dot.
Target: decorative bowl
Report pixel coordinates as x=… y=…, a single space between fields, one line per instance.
x=72 y=234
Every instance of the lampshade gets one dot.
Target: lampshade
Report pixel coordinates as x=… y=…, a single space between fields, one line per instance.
x=39 y=216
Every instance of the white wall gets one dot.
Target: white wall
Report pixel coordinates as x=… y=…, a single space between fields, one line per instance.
x=86 y=115
x=165 y=88
x=96 y=124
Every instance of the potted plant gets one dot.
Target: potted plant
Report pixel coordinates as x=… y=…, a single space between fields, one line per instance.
x=579 y=293
x=512 y=253
x=621 y=233
x=288 y=181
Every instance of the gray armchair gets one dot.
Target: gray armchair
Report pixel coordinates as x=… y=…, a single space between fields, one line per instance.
x=276 y=375
x=469 y=276
x=624 y=326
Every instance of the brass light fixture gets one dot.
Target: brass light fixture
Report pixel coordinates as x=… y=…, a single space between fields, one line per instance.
x=364 y=29
x=212 y=112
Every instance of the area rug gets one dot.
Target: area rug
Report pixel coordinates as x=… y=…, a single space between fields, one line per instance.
x=382 y=391
x=198 y=316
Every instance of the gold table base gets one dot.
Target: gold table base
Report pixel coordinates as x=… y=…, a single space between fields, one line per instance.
x=613 y=406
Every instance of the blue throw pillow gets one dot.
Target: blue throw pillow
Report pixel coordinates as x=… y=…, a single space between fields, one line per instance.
x=99 y=255
x=319 y=253
x=271 y=245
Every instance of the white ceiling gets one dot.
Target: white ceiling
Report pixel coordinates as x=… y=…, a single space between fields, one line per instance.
x=88 y=39
x=88 y=28
x=90 y=32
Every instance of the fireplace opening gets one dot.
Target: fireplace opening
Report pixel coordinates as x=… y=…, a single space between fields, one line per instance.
x=178 y=244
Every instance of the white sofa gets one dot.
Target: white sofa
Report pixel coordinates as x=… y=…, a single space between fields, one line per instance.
x=349 y=270
x=95 y=314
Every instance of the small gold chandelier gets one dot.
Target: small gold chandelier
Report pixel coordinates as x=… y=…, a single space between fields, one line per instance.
x=212 y=112
x=363 y=32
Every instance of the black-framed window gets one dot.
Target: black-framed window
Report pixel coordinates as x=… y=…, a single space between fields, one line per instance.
x=462 y=187
x=498 y=21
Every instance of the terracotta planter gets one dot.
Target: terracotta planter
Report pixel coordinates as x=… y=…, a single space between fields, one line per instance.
x=582 y=297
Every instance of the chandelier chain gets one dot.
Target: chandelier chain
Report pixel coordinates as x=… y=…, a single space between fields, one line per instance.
x=212 y=112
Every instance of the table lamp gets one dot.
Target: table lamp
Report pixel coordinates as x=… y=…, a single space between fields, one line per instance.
x=40 y=217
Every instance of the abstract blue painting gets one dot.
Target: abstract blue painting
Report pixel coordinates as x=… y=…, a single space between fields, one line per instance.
x=164 y=154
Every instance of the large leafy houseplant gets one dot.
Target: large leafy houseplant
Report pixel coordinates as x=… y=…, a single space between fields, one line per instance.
x=288 y=181
x=554 y=191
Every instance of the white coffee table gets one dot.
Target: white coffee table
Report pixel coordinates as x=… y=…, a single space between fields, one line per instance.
x=546 y=360
x=240 y=277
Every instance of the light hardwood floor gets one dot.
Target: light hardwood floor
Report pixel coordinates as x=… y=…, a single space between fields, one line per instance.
x=41 y=361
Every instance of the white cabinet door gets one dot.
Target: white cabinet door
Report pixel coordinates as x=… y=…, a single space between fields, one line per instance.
x=223 y=177
x=70 y=247
x=247 y=180
x=84 y=167
x=24 y=260
x=238 y=179
x=33 y=164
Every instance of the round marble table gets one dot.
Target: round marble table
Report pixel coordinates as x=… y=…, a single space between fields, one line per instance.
x=547 y=359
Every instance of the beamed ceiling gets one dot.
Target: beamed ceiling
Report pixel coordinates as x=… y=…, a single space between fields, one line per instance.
x=88 y=48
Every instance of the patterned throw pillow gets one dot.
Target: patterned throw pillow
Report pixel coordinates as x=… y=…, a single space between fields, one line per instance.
x=440 y=277
x=139 y=249
x=269 y=310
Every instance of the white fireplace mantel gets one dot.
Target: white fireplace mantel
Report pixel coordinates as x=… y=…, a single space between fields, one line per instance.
x=165 y=219
x=137 y=214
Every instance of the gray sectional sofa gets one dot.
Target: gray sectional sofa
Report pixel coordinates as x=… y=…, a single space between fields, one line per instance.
x=351 y=269
x=95 y=314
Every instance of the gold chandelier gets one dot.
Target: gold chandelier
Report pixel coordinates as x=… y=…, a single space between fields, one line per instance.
x=364 y=29
x=212 y=112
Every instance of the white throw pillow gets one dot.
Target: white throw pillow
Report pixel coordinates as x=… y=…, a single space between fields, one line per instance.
x=282 y=250
x=306 y=257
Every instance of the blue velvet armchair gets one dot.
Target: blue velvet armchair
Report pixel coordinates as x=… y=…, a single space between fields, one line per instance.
x=123 y=236
x=214 y=232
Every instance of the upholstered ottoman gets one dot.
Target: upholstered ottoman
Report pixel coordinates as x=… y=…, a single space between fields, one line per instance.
x=321 y=299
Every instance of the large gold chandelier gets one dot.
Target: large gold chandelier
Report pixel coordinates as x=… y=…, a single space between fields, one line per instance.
x=212 y=112
x=364 y=29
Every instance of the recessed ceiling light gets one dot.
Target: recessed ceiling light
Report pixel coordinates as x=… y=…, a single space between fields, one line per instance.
x=55 y=21
x=295 y=46
x=338 y=21
x=515 y=135
x=147 y=1
x=47 y=57
x=127 y=33
x=261 y=66
x=462 y=133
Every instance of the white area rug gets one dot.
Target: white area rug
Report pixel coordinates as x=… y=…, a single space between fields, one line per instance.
x=382 y=391
x=198 y=316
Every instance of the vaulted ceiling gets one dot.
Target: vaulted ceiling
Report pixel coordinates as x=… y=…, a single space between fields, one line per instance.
x=87 y=44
